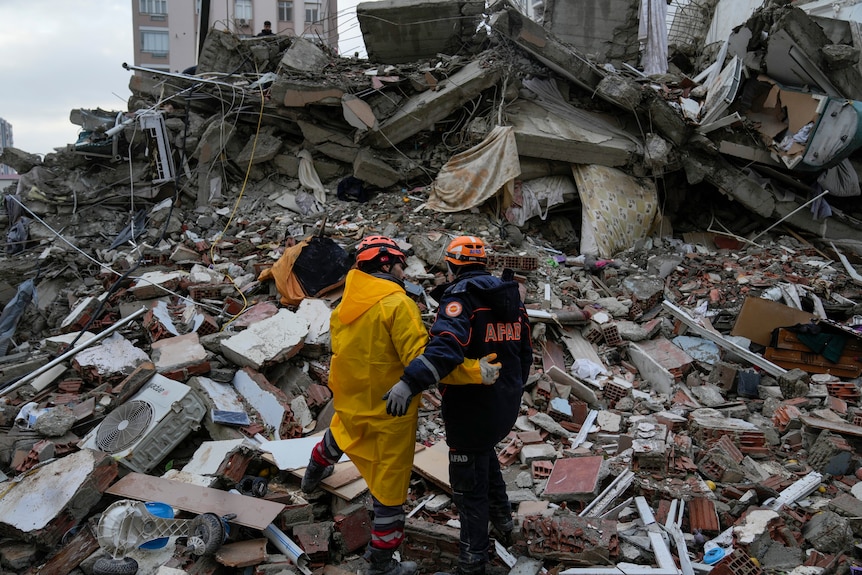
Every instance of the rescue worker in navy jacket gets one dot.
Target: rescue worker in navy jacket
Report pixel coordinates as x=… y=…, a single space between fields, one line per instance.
x=479 y=315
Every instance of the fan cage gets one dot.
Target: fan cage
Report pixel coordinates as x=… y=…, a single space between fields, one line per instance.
x=124 y=426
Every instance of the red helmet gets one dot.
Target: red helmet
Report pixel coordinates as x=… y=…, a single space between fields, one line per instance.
x=466 y=250
x=380 y=250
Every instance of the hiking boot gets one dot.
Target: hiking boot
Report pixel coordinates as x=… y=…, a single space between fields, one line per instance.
x=314 y=474
x=381 y=562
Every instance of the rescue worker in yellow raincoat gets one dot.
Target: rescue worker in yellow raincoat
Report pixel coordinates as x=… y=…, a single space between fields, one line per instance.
x=376 y=331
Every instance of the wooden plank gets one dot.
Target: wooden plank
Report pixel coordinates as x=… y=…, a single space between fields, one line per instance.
x=811 y=362
x=250 y=511
x=433 y=464
x=82 y=545
x=242 y=553
x=552 y=355
x=579 y=347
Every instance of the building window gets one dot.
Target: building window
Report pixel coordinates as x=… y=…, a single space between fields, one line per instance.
x=312 y=12
x=159 y=7
x=155 y=42
x=242 y=10
x=285 y=11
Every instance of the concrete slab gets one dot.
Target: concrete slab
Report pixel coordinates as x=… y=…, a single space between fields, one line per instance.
x=304 y=55
x=541 y=134
x=114 y=356
x=269 y=341
x=422 y=111
x=55 y=497
x=316 y=312
x=400 y=31
x=174 y=353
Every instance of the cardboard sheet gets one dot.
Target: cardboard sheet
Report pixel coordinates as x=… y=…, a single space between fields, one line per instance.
x=759 y=317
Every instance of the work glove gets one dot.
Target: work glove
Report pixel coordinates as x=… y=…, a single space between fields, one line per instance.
x=490 y=371
x=398 y=398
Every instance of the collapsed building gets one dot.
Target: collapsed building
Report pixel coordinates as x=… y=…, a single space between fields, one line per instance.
x=170 y=276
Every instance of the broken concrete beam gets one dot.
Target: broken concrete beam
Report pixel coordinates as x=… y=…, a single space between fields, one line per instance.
x=372 y=170
x=214 y=139
x=541 y=134
x=334 y=144
x=317 y=134
x=55 y=497
x=795 y=32
x=735 y=184
x=400 y=31
x=422 y=111
x=304 y=55
x=607 y=30
x=268 y=341
x=546 y=48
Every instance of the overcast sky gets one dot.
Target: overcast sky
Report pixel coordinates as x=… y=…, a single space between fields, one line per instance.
x=58 y=55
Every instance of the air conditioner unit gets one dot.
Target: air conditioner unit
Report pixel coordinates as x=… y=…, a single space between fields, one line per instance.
x=145 y=429
x=242 y=22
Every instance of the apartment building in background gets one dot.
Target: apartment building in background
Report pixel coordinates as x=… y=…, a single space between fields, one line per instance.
x=167 y=32
x=6 y=142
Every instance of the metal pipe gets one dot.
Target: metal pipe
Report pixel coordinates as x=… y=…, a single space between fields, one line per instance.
x=284 y=544
x=179 y=76
x=71 y=352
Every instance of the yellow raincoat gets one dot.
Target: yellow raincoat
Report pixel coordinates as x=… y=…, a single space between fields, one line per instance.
x=376 y=331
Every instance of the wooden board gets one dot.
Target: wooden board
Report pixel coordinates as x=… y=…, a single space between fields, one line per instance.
x=242 y=553
x=579 y=347
x=811 y=362
x=250 y=511
x=432 y=463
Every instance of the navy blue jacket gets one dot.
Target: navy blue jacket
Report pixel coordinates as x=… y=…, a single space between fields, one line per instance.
x=479 y=314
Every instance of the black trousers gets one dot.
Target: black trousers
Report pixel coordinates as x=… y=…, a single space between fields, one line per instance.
x=479 y=492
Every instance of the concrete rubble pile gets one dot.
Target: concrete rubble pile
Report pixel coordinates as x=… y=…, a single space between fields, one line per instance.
x=694 y=403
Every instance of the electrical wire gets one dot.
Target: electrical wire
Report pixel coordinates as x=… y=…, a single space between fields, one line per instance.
x=236 y=206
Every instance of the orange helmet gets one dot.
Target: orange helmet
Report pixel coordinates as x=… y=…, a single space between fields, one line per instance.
x=466 y=250
x=378 y=250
